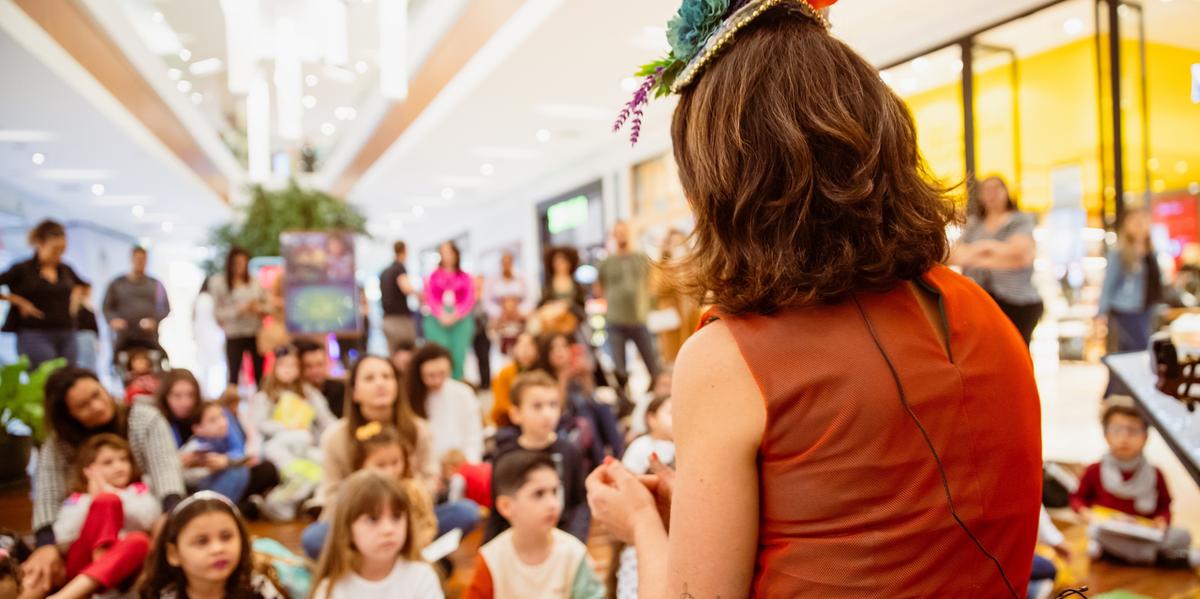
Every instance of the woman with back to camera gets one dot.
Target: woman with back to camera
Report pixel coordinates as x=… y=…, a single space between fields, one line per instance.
x=846 y=379
x=997 y=251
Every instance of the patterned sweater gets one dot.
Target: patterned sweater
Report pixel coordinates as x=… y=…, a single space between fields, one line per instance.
x=154 y=451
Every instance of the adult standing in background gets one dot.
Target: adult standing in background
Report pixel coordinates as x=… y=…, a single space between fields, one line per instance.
x=563 y=298
x=399 y=326
x=506 y=298
x=450 y=296
x=670 y=298
x=314 y=369
x=240 y=304
x=43 y=294
x=997 y=251
x=625 y=284
x=134 y=305
x=1132 y=284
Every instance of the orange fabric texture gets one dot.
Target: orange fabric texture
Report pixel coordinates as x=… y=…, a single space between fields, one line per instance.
x=851 y=501
x=481 y=582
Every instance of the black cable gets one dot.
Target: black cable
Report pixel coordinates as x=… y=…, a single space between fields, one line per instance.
x=932 y=449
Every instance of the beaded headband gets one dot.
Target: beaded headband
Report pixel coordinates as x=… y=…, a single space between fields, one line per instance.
x=697 y=34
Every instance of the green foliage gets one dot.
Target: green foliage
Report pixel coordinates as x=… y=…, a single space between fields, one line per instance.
x=22 y=395
x=273 y=212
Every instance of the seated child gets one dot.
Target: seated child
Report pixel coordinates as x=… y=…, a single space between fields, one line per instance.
x=372 y=549
x=533 y=558
x=141 y=380
x=537 y=410
x=464 y=480
x=202 y=551
x=219 y=458
x=660 y=442
x=524 y=358
x=1125 y=483
x=288 y=415
x=102 y=526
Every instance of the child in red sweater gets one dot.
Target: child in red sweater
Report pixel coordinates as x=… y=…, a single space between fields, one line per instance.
x=1125 y=482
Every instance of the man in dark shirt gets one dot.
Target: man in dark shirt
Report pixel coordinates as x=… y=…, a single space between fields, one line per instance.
x=314 y=365
x=399 y=326
x=134 y=305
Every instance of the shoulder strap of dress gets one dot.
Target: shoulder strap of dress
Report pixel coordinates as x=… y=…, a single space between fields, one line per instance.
x=710 y=316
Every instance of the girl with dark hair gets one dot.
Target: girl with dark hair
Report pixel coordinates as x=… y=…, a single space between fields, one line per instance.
x=204 y=551
x=837 y=425
x=563 y=298
x=450 y=296
x=454 y=414
x=997 y=251
x=44 y=296
x=239 y=305
x=212 y=443
x=77 y=408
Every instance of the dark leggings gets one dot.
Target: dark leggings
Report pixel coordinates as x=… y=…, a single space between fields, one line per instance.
x=1024 y=317
x=235 y=347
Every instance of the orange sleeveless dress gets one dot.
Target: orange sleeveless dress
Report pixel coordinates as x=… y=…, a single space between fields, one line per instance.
x=851 y=501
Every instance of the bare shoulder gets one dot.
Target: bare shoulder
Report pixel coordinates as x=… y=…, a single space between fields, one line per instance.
x=712 y=378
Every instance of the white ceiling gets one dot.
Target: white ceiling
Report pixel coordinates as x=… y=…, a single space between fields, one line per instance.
x=85 y=142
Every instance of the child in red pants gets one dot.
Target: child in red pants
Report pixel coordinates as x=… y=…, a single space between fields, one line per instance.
x=105 y=522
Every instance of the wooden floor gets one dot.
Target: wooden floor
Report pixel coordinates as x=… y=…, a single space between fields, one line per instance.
x=16 y=513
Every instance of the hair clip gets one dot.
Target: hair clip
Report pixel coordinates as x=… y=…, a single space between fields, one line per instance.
x=367 y=431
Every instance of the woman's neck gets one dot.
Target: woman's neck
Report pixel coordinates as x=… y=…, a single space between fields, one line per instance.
x=205 y=589
x=375 y=569
x=382 y=416
x=532 y=547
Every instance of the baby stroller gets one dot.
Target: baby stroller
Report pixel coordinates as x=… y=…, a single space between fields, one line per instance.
x=141 y=380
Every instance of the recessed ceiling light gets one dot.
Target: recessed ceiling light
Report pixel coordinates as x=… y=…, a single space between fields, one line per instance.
x=97 y=189
x=168 y=226
x=418 y=211
x=309 y=101
x=311 y=80
x=448 y=193
x=360 y=67
x=184 y=86
x=197 y=97
x=543 y=135
x=174 y=73
x=328 y=128
x=38 y=158
x=345 y=113
x=138 y=211
x=487 y=169
x=185 y=55
x=630 y=84
x=1073 y=26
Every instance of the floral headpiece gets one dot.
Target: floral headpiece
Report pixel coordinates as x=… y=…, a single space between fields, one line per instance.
x=697 y=34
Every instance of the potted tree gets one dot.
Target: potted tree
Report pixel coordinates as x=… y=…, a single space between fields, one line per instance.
x=22 y=413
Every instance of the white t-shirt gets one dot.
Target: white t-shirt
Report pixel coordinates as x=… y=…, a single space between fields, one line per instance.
x=408 y=580
x=455 y=421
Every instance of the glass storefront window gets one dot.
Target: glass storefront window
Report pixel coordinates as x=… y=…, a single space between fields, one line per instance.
x=932 y=87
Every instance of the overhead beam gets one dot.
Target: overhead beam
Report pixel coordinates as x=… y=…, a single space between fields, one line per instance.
x=87 y=43
x=477 y=23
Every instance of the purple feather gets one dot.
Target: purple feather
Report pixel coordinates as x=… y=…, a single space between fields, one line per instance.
x=634 y=108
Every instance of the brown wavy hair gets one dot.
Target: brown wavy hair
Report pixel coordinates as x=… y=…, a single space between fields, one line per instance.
x=801 y=167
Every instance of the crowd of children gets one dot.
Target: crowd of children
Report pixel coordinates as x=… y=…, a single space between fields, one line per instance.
x=408 y=463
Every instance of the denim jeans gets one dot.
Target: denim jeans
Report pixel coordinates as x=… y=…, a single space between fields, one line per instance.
x=463 y=515
x=43 y=346
x=87 y=350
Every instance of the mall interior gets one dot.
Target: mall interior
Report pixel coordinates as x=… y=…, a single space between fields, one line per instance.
x=179 y=146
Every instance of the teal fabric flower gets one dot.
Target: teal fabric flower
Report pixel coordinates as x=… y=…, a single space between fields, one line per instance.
x=692 y=25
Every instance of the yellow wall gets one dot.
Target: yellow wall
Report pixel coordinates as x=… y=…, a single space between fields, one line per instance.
x=1060 y=125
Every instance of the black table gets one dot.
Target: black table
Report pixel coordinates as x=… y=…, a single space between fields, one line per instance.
x=1178 y=427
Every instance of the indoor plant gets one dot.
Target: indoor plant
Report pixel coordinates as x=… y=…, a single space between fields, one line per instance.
x=21 y=401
